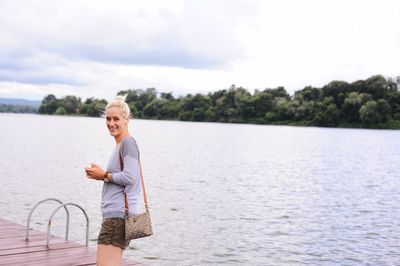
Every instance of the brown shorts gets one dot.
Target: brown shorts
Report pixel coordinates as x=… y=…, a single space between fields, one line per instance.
x=113 y=233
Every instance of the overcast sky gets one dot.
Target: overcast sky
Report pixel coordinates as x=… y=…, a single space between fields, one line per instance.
x=96 y=48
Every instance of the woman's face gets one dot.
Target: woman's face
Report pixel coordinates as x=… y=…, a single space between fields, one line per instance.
x=116 y=122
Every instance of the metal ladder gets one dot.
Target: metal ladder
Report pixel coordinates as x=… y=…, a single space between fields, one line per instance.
x=62 y=205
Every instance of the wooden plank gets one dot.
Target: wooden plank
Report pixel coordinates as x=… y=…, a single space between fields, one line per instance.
x=17 y=233
x=72 y=256
x=39 y=248
x=37 y=240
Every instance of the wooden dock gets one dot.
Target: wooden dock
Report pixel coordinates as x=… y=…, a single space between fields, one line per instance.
x=15 y=250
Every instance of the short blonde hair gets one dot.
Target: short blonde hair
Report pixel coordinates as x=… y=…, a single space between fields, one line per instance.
x=120 y=103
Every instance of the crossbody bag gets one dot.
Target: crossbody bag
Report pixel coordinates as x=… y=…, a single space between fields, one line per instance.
x=137 y=226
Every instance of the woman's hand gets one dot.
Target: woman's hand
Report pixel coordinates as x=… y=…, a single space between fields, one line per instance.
x=95 y=172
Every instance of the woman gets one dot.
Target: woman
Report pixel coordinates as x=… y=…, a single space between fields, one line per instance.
x=120 y=177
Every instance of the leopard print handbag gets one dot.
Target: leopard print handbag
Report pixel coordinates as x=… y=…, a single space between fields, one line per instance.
x=138 y=226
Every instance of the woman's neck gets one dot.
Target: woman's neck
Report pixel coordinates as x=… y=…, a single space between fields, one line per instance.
x=120 y=137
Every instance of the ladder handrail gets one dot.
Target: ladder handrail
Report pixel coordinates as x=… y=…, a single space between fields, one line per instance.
x=34 y=207
x=54 y=212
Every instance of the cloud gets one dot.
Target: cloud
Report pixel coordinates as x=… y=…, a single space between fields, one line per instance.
x=45 y=43
x=31 y=78
x=311 y=42
x=96 y=48
x=34 y=91
x=38 y=68
x=191 y=35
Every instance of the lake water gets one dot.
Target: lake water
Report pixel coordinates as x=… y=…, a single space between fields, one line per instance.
x=219 y=193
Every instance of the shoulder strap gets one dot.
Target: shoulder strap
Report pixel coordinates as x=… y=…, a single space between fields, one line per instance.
x=121 y=163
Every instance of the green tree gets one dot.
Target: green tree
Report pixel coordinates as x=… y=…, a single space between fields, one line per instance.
x=377 y=86
x=262 y=103
x=281 y=107
x=152 y=109
x=193 y=108
x=97 y=108
x=352 y=105
x=211 y=114
x=167 y=96
x=393 y=99
x=71 y=104
x=134 y=111
x=278 y=92
x=301 y=109
x=336 y=89
x=93 y=107
x=60 y=111
x=384 y=110
x=309 y=93
x=49 y=105
x=169 y=110
x=327 y=114
x=139 y=98
x=369 y=113
x=244 y=104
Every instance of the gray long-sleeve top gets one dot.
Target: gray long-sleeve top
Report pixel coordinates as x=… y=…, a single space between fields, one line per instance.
x=128 y=181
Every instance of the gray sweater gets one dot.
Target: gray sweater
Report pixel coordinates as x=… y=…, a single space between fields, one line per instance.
x=128 y=181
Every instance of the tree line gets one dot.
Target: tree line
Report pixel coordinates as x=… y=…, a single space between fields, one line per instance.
x=16 y=108
x=373 y=103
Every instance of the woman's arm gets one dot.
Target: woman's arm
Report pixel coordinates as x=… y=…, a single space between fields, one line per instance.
x=130 y=157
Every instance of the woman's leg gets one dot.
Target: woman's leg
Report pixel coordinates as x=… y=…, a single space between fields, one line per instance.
x=108 y=255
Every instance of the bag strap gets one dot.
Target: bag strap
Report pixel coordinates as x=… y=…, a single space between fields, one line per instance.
x=121 y=163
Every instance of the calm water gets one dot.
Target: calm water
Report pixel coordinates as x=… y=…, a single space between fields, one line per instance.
x=219 y=193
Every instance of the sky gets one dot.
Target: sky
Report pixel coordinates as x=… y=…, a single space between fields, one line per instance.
x=97 y=48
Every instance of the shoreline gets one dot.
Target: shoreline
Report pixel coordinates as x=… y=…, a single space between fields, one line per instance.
x=391 y=125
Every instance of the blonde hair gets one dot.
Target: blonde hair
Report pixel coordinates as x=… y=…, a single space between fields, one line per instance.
x=120 y=103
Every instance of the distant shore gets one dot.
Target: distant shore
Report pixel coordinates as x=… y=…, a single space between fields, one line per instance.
x=392 y=125
x=372 y=103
